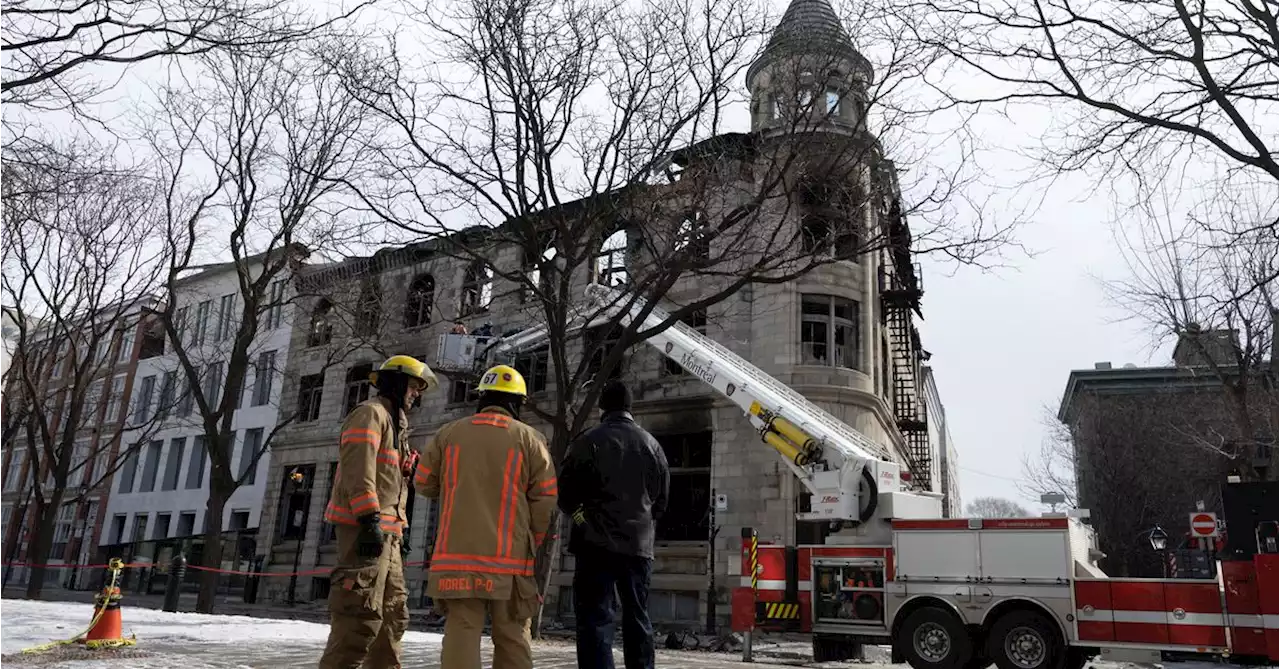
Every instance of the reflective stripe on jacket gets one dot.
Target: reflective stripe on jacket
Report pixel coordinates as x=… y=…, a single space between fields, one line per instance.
x=496 y=488
x=368 y=479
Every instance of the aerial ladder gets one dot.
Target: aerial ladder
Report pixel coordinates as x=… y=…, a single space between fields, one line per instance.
x=847 y=474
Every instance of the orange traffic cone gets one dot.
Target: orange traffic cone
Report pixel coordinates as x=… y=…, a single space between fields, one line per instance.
x=107 y=623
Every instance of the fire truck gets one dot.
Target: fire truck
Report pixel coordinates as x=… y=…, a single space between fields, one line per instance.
x=943 y=593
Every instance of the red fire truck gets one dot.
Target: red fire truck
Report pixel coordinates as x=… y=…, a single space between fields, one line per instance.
x=1023 y=593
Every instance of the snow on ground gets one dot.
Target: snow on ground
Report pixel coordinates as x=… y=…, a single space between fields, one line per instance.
x=204 y=640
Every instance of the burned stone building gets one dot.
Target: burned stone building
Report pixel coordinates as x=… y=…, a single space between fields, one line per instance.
x=842 y=334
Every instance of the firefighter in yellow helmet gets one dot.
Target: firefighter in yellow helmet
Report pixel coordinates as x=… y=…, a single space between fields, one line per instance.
x=496 y=487
x=368 y=603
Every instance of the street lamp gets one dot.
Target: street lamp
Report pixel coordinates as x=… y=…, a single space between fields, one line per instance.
x=296 y=482
x=1159 y=538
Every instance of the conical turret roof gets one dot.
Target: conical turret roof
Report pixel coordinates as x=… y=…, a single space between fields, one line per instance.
x=809 y=27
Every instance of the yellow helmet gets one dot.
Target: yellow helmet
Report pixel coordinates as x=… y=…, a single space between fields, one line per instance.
x=409 y=366
x=503 y=379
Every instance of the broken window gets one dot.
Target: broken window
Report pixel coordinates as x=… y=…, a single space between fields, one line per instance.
x=477 y=289
x=321 y=332
x=611 y=261
x=828 y=331
x=694 y=235
x=688 y=504
x=533 y=367
x=417 y=307
x=540 y=272
x=369 y=310
x=295 y=501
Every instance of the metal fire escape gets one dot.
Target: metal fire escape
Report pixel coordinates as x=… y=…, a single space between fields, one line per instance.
x=900 y=292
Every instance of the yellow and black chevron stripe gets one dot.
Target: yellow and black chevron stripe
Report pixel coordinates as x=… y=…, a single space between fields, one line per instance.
x=779 y=611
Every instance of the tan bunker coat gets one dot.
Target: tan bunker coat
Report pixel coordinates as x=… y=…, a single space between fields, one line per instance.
x=368 y=603
x=496 y=487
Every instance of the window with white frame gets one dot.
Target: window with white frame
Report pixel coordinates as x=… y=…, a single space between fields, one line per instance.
x=226 y=317
x=62 y=530
x=116 y=401
x=142 y=400
x=125 y=352
x=275 y=305
x=79 y=469
x=92 y=404
x=201 y=330
x=263 y=377
x=17 y=461
x=828 y=331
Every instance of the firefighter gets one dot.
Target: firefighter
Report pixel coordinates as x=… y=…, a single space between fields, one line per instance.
x=368 y=603
x=496 y=487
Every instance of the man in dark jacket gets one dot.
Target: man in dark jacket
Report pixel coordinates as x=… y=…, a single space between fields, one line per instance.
x=613 y=483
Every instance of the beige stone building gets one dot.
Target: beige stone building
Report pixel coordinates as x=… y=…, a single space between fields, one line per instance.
x=842 y=335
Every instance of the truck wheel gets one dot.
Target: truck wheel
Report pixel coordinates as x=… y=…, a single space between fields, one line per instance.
x=1025 y=640
x=933 y=638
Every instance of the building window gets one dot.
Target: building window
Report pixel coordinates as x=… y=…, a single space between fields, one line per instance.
x=539 y=271
x=173 y=465
x=696 y=320
x=263 y=378
x=186 y=524
x=418 y=303
x=327 y=532
x=533 y=367
x=78 y=472
x=126 y=345
x=195 y=468
x=239 y=520
x=168 y=390
x=139 y=527
x=689 y=461
x=274 y=306
x=611 y=261
x=151 y=467
x=213 y=384
x=92 y=404
x=310 y=392
x=249 y=450
x=295 y=502
x=226 y=317
x=187 y=403
x=117 y=401
x=202 y=322
x=833 y=102
x=142 y=404
x=695 y=235
x=117 y=528
x=62 y=530
x=477 y=289
x=321 y=332
x=129 y=470
x=828 y=331
x=600 y=341
x=181 y=323
x=357 y=389
x=161 y=530
x=461 y=391
x=369 y=310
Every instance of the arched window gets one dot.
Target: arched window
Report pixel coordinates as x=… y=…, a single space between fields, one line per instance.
x=418 y=303
x=321 y=324
x=477 y=289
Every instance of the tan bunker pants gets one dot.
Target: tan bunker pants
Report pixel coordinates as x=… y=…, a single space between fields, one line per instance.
x=368 y=606
x=464 y=622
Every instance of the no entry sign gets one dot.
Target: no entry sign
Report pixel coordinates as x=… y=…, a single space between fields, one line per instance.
x=1204 y=524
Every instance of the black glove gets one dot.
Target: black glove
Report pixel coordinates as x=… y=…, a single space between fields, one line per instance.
x=369 y=541
x=404 y=547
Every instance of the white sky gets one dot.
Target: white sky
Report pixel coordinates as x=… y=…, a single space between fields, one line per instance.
x=1003 y=341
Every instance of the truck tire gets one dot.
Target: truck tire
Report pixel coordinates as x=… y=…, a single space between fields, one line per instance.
x=1026 y=640
x=934 y=638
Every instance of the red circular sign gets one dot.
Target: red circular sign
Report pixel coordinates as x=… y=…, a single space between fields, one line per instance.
x=1203 y=524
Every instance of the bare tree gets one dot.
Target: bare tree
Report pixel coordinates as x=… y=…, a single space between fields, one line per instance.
x=1147 y=86
x=995 y=507
x=251 y=152
x=81 y=269
x=1052 y=470
x=1209 y=285
x=583 y=141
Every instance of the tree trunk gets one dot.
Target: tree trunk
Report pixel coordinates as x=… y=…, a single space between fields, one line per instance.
x=544 y=564
x=41 y=542
x=212 y=557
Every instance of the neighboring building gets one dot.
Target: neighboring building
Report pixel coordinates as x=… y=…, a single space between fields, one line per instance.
x=110 y=377
x=162 y=488
x=842 y=335
x=9 y=333
x=1147 y=448
x=946 y=464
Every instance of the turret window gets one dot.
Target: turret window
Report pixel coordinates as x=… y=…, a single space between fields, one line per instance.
x=828 y=331
x=833 y=102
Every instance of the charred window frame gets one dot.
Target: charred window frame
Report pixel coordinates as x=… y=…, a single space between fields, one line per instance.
x=321 y=331
x=419 y=301
x=477 y=289
x=534 y=366
x=689 y=462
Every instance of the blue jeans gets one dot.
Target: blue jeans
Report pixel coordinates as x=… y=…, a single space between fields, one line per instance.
x=596 y=576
